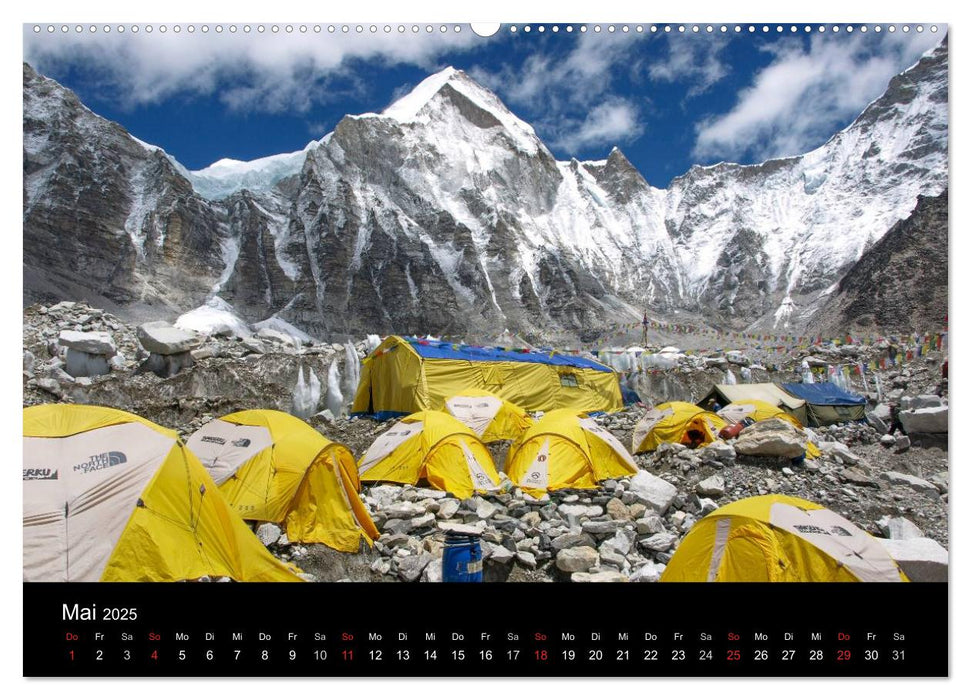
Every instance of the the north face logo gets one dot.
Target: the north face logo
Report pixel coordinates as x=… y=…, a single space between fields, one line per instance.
x=101 y=461
x=242 y=442
x=40 y=474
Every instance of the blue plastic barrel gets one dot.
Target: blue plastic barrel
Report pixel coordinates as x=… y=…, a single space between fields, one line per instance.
x=462 y=559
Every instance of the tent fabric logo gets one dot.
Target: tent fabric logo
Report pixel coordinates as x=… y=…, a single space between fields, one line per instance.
x=40 y=474
x=214 y=439
x=101 y=461
x=242 y=442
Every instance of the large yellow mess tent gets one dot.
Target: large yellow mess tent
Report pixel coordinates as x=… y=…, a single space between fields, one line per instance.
x=432 y=447
x=109 y=496
x=779 y=538
x=274 y=467
x=405 y=375
x=565 y=450
x=772 y=394
x=675 y=421
x=489 y=417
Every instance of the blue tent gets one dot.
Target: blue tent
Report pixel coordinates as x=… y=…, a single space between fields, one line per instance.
x=827 y=404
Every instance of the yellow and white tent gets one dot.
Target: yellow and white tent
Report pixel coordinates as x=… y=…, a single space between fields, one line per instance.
x=431 y=446
x=760 y=410
x=755 y=409
x=779 y=538
x=273 y=467
x=109 y=496
x=489 y=417
x=404 y=375
x=563 y=450
x=771 y=394
x=672 y=422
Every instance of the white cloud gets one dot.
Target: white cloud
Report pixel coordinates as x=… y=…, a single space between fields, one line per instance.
x=692 y=59
x=580 y=107
x=269 y=72
x=614 y=121
x=805 y=94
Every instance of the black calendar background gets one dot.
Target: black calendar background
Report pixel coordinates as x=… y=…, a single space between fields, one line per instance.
x=368 y=630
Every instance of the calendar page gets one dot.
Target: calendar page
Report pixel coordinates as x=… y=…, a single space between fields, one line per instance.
x=485 y=350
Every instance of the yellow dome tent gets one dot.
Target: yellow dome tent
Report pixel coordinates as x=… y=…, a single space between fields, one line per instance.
x=673 y=422
x=434 y=447
x=760 y=410
x=565 y=450
x=489 y=417
x=779 y=538
x=109 y=496
x=274 y=467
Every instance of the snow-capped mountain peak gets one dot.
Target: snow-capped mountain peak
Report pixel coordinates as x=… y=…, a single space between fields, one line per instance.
x=406 y=109
x=447 y=214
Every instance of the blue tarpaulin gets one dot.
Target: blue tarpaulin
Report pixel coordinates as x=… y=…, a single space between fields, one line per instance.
x=437 y=349
x=824 y=394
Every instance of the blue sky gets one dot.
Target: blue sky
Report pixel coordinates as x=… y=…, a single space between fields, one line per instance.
x=668 y=100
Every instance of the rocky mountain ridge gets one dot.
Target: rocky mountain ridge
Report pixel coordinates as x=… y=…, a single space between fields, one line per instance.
x=447 y=214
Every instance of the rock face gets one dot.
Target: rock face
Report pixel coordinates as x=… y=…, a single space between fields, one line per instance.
x=451 y=206
x=771 y=438
x=901 y=282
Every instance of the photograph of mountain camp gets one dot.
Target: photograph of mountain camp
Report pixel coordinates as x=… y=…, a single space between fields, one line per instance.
x=584 y=304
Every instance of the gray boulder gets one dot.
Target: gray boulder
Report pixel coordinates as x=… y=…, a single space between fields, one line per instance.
x=771 y=438
x=577 y=559
x=713 y=486
x=922 y=559
x=648 y=573
x=925 y=420
x=92 y=343
x=163 y=338
x=653 y=491
x=914 y=482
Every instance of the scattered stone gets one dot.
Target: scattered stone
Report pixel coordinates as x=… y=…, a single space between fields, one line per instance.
x=653 y=491
x=268 y=533
x=713 y=486
x=433 y=572
x=501 y=555
x=601 y=527
x=648 y=573
x=650 y=525
x=914 y=482
x=617 y=510
x=527 y=559
x=837 y=449
x=577 y=559
x=661 y=542
x=579 y=510
x=599 y=577
x=411 y=566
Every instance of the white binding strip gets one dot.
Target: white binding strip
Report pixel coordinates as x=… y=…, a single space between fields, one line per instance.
x=722 y=528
